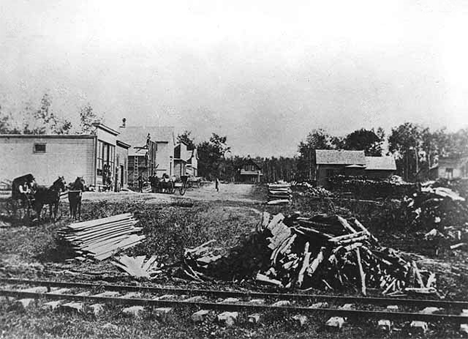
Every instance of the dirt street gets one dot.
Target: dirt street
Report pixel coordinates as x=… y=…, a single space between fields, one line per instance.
x=227 y=192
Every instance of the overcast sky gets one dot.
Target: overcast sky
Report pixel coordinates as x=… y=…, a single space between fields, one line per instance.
x=264 y=73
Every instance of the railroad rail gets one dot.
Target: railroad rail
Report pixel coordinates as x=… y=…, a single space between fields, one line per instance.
x=352 y=307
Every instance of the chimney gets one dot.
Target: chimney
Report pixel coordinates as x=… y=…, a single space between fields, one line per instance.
x=124 y=120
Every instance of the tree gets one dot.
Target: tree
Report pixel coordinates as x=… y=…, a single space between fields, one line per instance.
x=366 y=140
x=40 y=121
x=405 y=142
x=211 y=155
x=456 y=144
x=186 y=139
x=87 y=118
x=317 y=139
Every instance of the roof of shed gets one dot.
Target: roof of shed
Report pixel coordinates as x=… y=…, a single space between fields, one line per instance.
x=380 y=164
x=339 y=157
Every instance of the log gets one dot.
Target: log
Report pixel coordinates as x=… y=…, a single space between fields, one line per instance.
x=418 y=274
x=263 y=278
x=198 y=248
x=361 y=272
x=346 y=236
x=362 y=228
x=305 y=264
x=313 y=232
x=346 y=225
x=316 y=262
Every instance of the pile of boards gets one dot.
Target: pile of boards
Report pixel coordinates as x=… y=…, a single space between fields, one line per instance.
x=279 y=194
x=102 y=238
x=323 y=252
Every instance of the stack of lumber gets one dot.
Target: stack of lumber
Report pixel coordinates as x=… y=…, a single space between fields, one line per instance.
x=102 y=238
x=323 y=252
x=279 y=194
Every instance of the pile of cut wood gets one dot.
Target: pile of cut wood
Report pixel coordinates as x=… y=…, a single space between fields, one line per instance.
x=324 y=252
x=279 y=194
x=443 y=212
x=102 y=238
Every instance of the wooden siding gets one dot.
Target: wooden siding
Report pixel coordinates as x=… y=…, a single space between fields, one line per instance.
x=68 y=157
x=121 y=162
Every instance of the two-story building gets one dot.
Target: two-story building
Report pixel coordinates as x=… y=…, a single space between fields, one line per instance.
x=152 y=150
x=185 y=161
x=250 y=171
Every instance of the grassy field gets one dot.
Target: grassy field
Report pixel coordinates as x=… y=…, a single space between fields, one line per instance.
x=36 y=251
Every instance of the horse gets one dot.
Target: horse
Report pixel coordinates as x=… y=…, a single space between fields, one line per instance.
x=49 y=196
x=74 y=197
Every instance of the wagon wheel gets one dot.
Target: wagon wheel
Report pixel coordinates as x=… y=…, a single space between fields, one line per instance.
x=11 y=207
x=182 y=189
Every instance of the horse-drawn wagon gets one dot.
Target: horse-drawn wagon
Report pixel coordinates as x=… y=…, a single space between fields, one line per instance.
x=167 y=184
x=22 y=195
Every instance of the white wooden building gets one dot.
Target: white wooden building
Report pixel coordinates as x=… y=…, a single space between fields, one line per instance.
x=95 y=157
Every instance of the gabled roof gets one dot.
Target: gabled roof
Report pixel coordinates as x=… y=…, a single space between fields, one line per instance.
x=137 y=135
x=105 y=128
x=339 y=157
x=251 y=161
x=455 y=162
x=380 y=164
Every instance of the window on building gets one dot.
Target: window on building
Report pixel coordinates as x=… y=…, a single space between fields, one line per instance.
x=105 y=159
x=449 y=173
x=39 y=148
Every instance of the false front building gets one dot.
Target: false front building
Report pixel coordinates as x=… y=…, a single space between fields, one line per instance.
x=99 y=157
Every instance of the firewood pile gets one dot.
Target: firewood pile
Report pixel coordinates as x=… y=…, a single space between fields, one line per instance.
x=443 y=213
x=279 y=194
x=102 y=238
x=307 y=190
x=322 y=252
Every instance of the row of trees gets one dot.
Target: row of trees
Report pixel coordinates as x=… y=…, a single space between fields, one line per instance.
x=416 y=149
x=43 y=120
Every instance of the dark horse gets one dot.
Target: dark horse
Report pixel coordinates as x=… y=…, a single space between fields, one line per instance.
x=74 y=197
x=48 y=196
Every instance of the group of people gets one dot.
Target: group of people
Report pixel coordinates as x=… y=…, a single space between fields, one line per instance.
x=26 y=190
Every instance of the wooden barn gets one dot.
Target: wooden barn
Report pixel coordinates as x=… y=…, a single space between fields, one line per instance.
x=100 y=158
x=338 y=162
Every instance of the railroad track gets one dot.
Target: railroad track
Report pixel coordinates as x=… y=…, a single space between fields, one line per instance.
x=81 y=296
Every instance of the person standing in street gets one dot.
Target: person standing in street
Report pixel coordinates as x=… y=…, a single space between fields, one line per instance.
x=217 y=185
x=140 y=184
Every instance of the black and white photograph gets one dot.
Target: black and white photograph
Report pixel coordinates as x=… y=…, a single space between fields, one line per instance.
x=233 y=169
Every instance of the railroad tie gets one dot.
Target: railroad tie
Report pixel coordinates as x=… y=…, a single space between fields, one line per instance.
x=199 y=316
x=300 y=320
x=228 y=318
x=134 y=311
x=464 y=327
x=254 y=318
